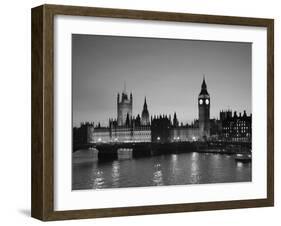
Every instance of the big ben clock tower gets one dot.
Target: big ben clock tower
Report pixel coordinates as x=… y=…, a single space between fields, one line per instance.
x=204 y=112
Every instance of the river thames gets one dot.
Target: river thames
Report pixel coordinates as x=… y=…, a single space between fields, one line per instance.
x=173 y=169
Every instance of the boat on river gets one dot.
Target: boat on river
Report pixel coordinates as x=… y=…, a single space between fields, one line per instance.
x=245 y=158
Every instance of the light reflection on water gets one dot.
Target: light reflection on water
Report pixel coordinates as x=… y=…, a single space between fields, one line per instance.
x=195 y=168
x=115 y=173
x=98 y=179
x=157 y=178
x=157 y=175
x=175 y=169
x=239 y=164
x=174 y=165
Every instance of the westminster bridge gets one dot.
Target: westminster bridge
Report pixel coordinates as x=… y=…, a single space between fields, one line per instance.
x=111 y=151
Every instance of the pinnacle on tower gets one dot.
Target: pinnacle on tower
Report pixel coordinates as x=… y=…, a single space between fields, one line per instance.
x=145 y=104
x=204 y=86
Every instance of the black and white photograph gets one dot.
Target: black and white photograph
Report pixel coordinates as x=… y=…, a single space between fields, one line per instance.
x=160 y=112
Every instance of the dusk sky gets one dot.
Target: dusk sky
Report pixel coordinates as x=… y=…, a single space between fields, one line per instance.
x=168 y=72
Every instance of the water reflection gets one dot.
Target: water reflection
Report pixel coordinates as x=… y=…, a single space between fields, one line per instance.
x=239 y=165
x=115 y=173
x=174 y=158
x=216 y=160
x=174 y=164
x=157 y=175
x=195 y=172
x=157 y=178
x=176 y=169
x=98 y=179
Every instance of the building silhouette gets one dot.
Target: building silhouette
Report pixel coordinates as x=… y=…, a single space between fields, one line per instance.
x=160 y=128
x=82 y=134
x=165 y=128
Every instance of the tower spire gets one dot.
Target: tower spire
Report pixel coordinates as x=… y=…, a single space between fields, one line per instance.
x=145 y=114
x=204 y=86
x=145 y=104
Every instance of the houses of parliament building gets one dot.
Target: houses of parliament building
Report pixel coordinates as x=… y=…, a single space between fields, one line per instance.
x=146 y=128
x=128 y=128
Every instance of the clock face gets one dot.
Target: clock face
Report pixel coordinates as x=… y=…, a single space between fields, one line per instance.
x=200 y=101
x=207 y=101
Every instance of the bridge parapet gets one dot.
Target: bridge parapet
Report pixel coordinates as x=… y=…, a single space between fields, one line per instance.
x=125 y=153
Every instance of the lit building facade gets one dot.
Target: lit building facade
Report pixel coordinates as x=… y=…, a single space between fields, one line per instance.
x=124 y=134
x=126 y=128
x=236 y=127
x=184 y=134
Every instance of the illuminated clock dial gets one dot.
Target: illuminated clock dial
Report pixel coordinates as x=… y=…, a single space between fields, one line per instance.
x=207 y=101
x=200 y=101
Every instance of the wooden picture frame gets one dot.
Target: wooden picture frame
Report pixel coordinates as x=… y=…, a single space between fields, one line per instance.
x=42 y=203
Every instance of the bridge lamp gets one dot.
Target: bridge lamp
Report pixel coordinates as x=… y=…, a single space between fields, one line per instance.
x=158 y=138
